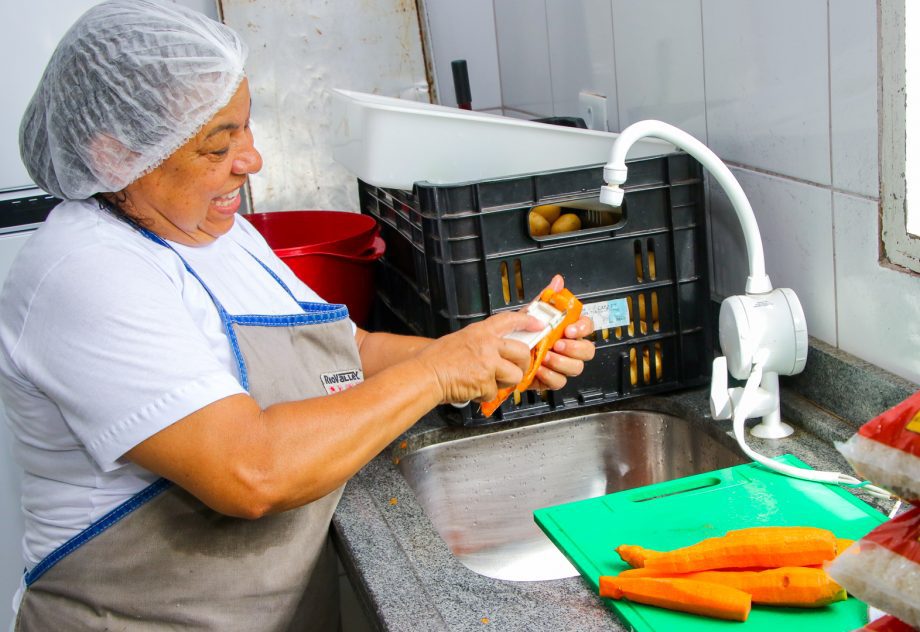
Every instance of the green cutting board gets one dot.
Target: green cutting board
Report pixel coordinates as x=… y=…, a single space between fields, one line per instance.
x=681 y=512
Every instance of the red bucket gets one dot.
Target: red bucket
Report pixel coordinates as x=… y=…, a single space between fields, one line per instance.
x=292 y=233
x=331 y=251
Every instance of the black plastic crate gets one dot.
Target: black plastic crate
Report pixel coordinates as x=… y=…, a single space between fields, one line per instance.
x=459 y=253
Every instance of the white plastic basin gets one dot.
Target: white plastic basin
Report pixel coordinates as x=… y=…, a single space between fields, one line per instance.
x=393 y=143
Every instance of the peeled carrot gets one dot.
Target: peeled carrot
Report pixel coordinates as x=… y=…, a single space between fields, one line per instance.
x=757 y=547
x=685 y=595
x=796 y=586
x=635 y=555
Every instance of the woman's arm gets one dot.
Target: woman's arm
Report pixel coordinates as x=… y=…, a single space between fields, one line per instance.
x=244 y=461
x=379 y=350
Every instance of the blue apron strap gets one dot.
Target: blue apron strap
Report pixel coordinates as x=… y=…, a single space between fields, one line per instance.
x=225 y=317
x=312 y=312
x=106 y=521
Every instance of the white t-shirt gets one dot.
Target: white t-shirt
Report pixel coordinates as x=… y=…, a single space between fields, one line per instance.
x=106 y=339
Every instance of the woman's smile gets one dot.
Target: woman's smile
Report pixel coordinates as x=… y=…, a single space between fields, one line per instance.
x=228 y=203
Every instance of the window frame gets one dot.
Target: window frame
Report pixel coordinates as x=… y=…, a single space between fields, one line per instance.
x=899 y=169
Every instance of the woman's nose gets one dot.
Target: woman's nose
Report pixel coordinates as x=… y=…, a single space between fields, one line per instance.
x=247 y=161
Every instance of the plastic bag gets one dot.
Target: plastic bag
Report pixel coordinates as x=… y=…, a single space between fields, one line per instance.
x=886 y=624
x=883 y=568
x=886 y=450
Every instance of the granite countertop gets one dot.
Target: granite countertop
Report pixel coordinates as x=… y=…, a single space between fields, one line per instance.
x=407 y=578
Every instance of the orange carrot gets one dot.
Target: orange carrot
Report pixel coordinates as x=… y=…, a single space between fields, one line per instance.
x=843 y=544
x=634 y=555
x=564 y=301
x=685 y=595
x=767 y=547
x=798 y=586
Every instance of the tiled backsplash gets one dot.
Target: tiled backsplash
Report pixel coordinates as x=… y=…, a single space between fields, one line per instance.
x=785 y=92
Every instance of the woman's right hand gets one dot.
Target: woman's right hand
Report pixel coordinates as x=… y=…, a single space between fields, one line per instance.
x=473 y=363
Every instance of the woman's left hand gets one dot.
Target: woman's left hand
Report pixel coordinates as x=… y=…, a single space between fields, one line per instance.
x=568 y=356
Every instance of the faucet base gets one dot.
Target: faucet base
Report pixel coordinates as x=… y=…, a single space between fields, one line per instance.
x=774 y=430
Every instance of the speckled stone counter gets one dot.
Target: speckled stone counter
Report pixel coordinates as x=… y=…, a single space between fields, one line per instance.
x=407 y=579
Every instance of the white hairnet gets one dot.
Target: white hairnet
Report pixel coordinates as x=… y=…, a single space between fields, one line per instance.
x=130 y=82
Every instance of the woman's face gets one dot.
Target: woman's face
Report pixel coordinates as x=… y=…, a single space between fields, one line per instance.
x=193 y=196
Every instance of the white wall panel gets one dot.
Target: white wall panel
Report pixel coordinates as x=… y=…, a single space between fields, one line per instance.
x=523 y=56
x=465 y=30
x=878 y=306
x=854 y=97
x=299 y=50
x=767 y=85
x=581 y=54
x=659 y=55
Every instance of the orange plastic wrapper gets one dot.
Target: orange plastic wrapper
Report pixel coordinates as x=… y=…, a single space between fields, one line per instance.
x=883 y=568
x=886 y=450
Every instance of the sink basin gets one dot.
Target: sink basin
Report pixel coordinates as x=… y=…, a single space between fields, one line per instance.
x=480 y=491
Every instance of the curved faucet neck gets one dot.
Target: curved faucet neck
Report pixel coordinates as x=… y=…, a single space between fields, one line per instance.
x=615 y=174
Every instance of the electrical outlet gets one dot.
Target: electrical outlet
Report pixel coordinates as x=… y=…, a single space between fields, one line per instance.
x=592 y=107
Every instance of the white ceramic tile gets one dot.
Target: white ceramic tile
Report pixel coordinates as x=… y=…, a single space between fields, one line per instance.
x=767 y=85
x=581 y=54
x=523 y=56
x=878 y=306
x=796 y=228
x=854 y=96
x=465 y=30
x=659 y=63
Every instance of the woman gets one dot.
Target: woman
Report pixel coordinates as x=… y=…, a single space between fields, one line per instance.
x=163 y=370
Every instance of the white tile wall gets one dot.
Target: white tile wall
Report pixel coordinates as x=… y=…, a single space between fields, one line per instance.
x=523 y=56
x=465 y=30
x=854 y=98
x=767 y=85
x=580 y=38
x=659 y=57
x=877 y=306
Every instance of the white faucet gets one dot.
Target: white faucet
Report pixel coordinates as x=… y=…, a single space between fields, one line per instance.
x=762 y=333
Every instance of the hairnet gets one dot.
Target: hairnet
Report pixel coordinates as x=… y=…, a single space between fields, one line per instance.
x=129 y=83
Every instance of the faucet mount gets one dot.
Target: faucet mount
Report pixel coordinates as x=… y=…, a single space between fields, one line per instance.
x=762 y=333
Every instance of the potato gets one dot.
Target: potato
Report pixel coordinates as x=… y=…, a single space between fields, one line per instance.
x=566 y=224
x=550 y=212
x=538 y=224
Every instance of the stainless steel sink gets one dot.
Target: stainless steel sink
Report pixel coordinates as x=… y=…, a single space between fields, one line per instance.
x=480 y=492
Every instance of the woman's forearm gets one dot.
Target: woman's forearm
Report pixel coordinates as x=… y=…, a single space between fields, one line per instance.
x=381 y=350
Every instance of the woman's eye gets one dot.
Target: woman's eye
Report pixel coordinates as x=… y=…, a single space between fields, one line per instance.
x=220 y=152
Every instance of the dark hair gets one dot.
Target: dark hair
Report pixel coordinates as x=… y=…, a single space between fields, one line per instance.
x=112 y=204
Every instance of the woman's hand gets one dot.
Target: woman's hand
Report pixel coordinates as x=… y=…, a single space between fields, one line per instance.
x=473 y=363
x=568 y=356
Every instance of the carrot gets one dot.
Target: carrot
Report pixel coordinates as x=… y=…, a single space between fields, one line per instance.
x=635 y=555
x=768 y=547
x=797 y=586
x=685 y=595
x=843 y=544
x=564 y=301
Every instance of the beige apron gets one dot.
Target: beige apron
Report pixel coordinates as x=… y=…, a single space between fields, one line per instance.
x=163 y=560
